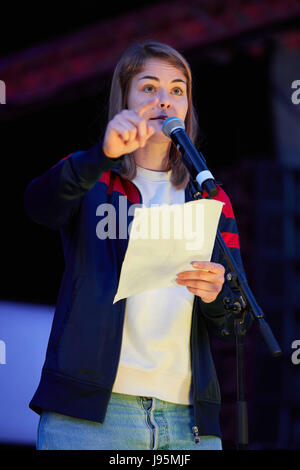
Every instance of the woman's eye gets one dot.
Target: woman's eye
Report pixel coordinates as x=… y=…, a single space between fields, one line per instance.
x=148 y=88
x=151 y=89
x=177 y=91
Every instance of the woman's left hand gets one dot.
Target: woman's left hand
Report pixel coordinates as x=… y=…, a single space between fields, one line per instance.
x=206 y=281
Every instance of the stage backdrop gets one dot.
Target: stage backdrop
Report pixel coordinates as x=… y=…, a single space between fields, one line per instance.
x=24 y=333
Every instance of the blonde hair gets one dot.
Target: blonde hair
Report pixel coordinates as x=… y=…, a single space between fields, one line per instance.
x=132 y=63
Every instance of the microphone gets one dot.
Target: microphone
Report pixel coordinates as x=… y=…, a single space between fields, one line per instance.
x=174 y=128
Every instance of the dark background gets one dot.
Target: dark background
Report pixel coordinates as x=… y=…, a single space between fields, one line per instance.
x=233 y=98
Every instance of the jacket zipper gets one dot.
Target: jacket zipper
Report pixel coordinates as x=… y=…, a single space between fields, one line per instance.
x=151 y=426
x=195 y=427
x=196 y=434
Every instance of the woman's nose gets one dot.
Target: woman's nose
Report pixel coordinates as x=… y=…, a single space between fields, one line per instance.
x=164 y=100
x=164 y=105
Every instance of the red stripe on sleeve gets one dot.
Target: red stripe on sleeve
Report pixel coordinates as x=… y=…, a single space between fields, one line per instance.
x=231 y=239
x=61 y=160
x=105 y=177
x=222 y=196
x=227 y=208
x=124 y=187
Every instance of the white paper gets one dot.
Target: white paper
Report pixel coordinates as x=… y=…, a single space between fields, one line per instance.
x=163 y=241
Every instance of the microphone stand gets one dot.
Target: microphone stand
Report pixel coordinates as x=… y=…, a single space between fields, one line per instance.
x=240 y=304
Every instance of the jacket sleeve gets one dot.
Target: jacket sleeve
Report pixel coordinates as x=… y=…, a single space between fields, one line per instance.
x=52 y=198
x=214 y=313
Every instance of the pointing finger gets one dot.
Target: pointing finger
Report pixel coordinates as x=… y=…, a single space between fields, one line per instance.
x=142 y=108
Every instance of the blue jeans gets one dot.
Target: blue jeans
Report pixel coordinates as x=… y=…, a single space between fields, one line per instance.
x=131 y=422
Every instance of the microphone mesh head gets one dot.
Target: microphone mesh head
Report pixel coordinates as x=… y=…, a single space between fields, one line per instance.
x=171 y=124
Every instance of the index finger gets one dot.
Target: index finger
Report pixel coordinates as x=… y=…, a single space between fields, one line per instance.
x=209 y=266
x=142 y=108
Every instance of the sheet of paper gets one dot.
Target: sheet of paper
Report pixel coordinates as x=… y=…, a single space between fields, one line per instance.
x=163 y=241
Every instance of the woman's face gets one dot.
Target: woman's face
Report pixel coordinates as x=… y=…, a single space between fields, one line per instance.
x=162 y=80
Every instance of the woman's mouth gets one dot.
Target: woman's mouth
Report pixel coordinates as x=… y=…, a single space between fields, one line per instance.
x=161 y=117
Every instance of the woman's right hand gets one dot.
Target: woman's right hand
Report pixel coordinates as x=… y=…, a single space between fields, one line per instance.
x=128 y=130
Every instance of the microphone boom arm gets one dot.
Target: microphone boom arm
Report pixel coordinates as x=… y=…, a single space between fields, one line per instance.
x=195 y=163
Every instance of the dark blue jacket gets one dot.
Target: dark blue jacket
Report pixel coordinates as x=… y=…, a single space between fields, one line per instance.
x=85 y=341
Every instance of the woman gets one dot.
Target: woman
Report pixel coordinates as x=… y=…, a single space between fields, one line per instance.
x=137 y=374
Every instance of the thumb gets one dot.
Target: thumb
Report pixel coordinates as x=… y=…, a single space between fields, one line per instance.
x=150 y=131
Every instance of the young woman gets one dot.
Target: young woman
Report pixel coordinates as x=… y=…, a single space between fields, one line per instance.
x=137 y=374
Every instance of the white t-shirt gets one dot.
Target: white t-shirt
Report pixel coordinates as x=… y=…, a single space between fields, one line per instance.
x=155 y=353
